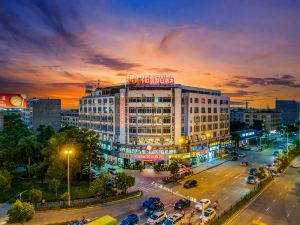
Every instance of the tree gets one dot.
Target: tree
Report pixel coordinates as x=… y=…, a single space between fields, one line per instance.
x=124 y=181
x=97 y=187
x=28 y=148
x=5 y=180
x=54 y=185
x=20 y=212
x=45 y=132
x=35 y=196
x=235 y=137
x=64 y=196
x=174 y=168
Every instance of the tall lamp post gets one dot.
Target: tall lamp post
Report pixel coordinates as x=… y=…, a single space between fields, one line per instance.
x=287 y=144
x=68 y=153
x=207 y=138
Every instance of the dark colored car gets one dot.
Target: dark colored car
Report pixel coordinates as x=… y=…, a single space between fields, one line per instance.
x=244 y=163
x=275 y=153
x=251 y=180
x=190 y=184
x=233 y=153
x=246 y=148
x=155 y=207
x=112 y=171
x=150 y=201
x=252 y=171
x=234 y=158
x=130 y=220
x=182 y=203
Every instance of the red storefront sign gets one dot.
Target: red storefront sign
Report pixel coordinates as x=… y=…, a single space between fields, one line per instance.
x=13 y=101
x=149 y=157
x=151 y=80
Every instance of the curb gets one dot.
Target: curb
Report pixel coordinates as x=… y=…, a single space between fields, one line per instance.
x=121 y=200
x=211 y=167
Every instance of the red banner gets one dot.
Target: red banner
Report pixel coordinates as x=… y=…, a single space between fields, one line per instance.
x=13 y=101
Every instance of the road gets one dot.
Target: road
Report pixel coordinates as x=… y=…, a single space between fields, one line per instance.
x=225 y=183
x=279 y=204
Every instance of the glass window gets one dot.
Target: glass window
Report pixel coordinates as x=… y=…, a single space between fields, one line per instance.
x=196 y=100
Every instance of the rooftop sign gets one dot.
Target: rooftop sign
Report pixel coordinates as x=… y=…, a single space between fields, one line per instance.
x=150 y=80
x=12 y=101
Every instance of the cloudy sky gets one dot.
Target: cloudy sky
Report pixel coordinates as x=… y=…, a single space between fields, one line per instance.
x=250 y=50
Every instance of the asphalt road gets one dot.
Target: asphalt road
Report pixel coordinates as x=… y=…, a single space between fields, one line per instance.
x=277 y=205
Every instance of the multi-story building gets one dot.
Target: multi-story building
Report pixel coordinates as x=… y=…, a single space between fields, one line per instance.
x=289 y=109
x=69 y=118
x=152 y=119
x=42 y=112
x=237 y=115
x=269 y=119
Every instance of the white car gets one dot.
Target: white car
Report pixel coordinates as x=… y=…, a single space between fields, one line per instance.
x=156 y=218
x=208 y=215
x=205 y=202
x=296 y=165
x=173 y=219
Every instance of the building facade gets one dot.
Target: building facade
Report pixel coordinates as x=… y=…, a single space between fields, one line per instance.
x=237 y=115
x=269 y=119
x=289 y=109
x=70 y=118
x=152 y=119
x=42 y=112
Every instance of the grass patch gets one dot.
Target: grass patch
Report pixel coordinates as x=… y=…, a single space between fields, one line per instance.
x=81 y=204
x=78 y=190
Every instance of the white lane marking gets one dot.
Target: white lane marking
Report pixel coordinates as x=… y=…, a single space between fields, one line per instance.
x=280 y=193
x=288 y=215
x=226 y=198
x=274 y=200
x=267 y=209
x=259 y=218
x=236 y=177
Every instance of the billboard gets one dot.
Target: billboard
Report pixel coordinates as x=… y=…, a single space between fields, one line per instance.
x=12 y=101
x=150 y=80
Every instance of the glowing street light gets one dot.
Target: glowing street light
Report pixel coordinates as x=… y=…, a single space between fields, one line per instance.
x=68 y=153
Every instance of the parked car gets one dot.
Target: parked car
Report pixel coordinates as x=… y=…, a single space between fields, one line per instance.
x=112 y=171
x=274 y=173
x=234 y=153
x=276 y=153
x=130 y=220
x=251 y=180
x=234 y=158
x=205 y=203
x=157 y=218
x=154 y=207
x=269 y=166
x=182 y=203
x=244 y=163
x=296 y=165
x=150 y=201
x=242 y=155
x=252 y=171
x=190 y=184
x=173 y=219
x=276 y=163
x=245 y=148
x=208 y=215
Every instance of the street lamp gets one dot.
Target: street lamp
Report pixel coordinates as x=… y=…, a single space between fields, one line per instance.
x=287 y=144
x=68 y=153
x=207 y=137
x=180 y=141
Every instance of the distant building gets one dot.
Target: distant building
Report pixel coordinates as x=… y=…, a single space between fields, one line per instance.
x=237 y=115
x=270 y=119
x=42 y=112
x=289 y=110
x=69 y=118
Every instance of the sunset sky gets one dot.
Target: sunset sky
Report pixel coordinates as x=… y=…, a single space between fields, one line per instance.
x=250 y=50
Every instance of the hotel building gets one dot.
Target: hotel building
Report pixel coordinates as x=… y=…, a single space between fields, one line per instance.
x=152 y=119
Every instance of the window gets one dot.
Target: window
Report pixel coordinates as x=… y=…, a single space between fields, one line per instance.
x=99 y=101
x=209 y=110
x=191 y=100
x=215 y=101
x=191 y=110
x=221 y=102
x=196 y=110
x=209 y=119
x=203 y=110
x=166 y=130
x=202 y=100
x=203 y=118
x=196 y=100
x=111 y=100
x=105 y=100
x=209 y=101
x=191 y=129
x=167 y=110
x=215 y=110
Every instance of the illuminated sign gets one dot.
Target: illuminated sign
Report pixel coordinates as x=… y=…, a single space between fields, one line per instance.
x=13 y=101
x=153 y=157
x=122 y=110
x=148 y=80
x=248 y=134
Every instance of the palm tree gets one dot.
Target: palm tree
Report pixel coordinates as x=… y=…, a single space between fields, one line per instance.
x=28 y=148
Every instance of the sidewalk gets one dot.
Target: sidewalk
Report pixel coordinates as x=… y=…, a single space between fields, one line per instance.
x=209 y=165
x=4 y=207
